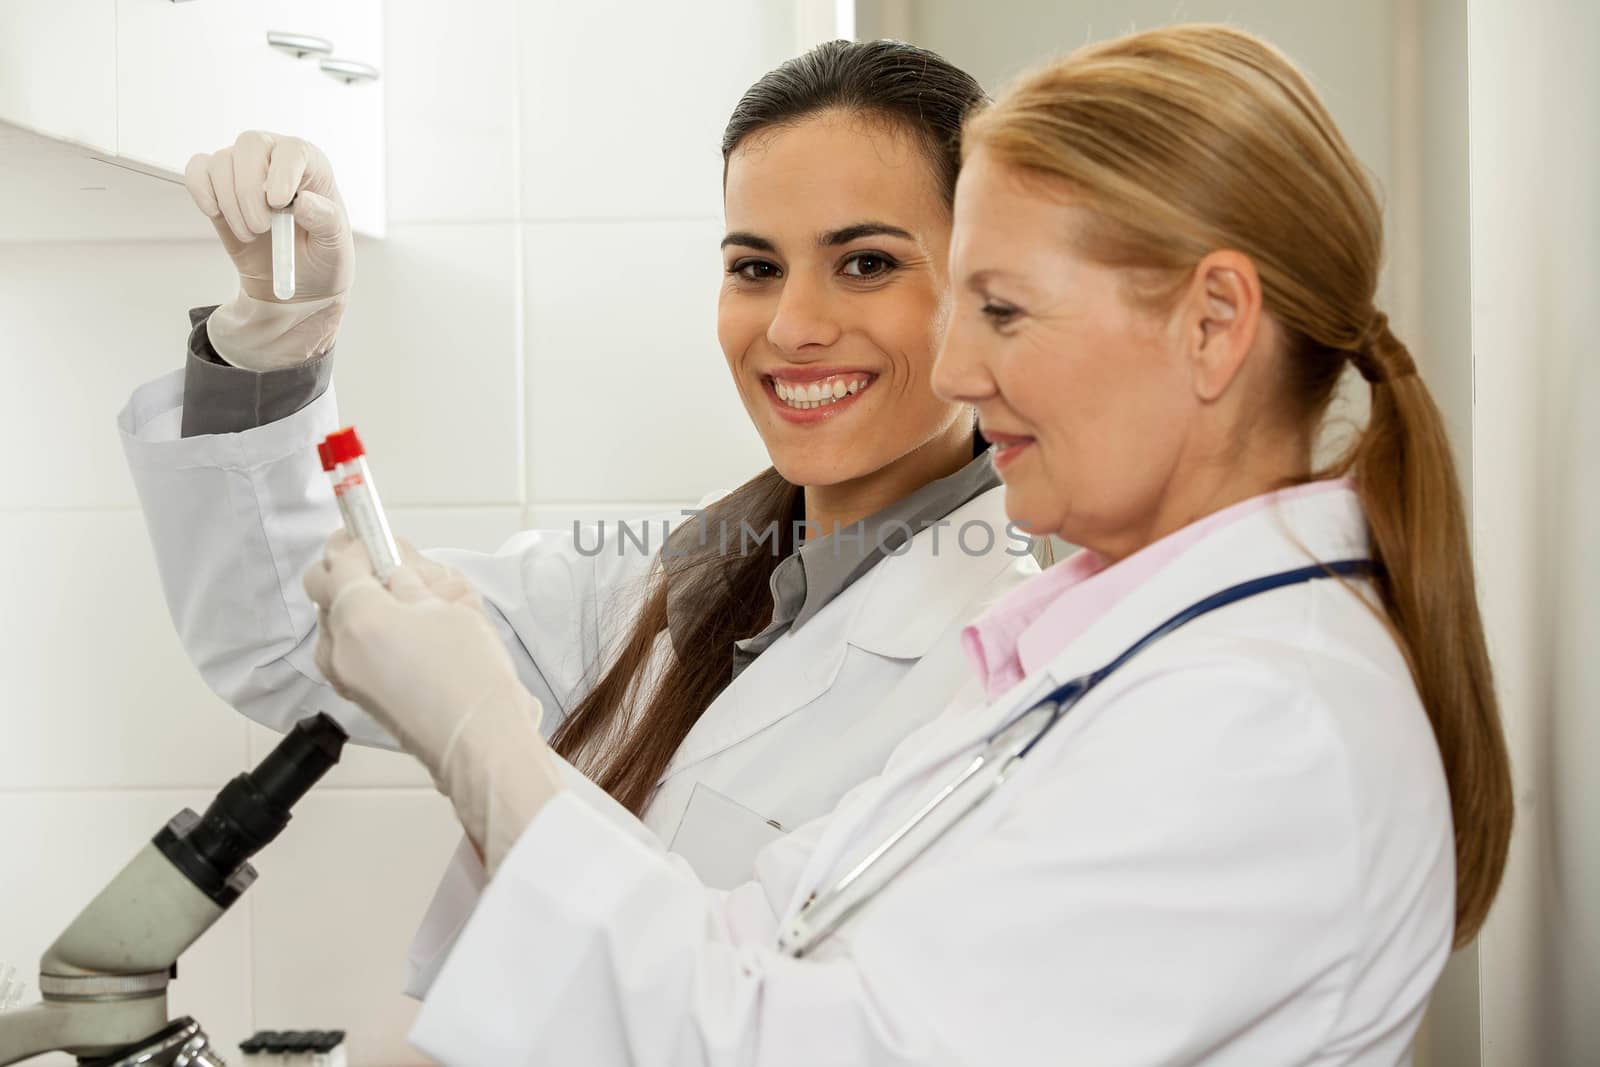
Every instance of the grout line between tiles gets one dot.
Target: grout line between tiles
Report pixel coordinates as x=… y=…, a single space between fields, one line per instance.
x=8 y=791
x=134 y=509
x=616 y=220
x=474 y=507
x=637 y=508
x=250 y=960
x=403 y=224
x=519 y=268
x=69 y=509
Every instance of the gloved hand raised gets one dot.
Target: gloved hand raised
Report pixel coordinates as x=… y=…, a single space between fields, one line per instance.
x=422 y=659
x=238 y=188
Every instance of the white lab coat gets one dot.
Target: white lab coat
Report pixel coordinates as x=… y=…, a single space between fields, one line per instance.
x=236 y=518
x=1237 y=850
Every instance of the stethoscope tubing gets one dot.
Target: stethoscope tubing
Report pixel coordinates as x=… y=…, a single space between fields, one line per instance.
x=799 y=938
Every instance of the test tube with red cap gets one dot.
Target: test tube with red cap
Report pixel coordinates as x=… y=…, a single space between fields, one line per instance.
x=346 y=463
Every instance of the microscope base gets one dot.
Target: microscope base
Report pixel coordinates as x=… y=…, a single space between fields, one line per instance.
x=84 y=1028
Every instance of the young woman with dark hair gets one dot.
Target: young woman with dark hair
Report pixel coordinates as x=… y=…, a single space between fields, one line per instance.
x=726 y=687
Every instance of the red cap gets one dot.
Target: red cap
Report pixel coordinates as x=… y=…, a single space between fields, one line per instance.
x=327 y=459
x=344 y=446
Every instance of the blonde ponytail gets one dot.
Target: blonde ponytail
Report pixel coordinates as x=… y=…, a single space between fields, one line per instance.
x=1406 y=476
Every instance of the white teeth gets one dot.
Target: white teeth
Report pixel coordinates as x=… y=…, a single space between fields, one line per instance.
x=819 y=393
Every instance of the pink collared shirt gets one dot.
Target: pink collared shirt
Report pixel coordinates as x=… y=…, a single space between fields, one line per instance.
x=1024 y=630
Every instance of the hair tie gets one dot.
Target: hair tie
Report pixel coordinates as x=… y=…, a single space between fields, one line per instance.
x=1379 y=356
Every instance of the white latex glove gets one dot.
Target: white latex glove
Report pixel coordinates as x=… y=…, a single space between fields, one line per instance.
x=238 y=188
x=432 y=671
x=446 y=583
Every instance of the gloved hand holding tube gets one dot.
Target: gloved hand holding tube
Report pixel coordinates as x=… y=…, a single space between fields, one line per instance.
x=407 y=639
x=241 y=188
x=423 y=660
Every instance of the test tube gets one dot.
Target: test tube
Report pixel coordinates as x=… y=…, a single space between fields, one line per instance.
x=283 y=254
x=358 y=499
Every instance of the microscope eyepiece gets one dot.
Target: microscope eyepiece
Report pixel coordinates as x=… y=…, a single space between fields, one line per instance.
x=212 y=850
x=300 y=760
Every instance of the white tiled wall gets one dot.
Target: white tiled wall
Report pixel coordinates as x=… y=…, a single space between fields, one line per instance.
x=543 y=305
x=428 y=363
x=623 y=102
x=453 y=134
x=628 y=394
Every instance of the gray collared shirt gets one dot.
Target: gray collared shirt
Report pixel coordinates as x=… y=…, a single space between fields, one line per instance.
x=822 y=568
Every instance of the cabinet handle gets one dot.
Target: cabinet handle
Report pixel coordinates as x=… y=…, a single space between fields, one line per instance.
x=300 y=45
x=349 y=71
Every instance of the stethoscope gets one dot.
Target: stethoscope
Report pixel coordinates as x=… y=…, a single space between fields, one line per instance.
x=1001 y=754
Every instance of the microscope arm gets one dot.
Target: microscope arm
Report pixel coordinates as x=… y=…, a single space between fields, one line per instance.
x=168 y=915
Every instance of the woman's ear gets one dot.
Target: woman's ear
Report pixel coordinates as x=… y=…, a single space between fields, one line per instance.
x=1222 y=312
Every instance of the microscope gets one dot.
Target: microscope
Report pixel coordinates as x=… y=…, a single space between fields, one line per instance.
x=103 y=983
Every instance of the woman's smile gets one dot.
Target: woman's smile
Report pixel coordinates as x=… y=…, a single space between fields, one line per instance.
x=1007 y=447
x=813 y=395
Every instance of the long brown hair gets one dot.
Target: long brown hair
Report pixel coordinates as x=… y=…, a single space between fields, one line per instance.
x=1189 y=139
x=625 y=730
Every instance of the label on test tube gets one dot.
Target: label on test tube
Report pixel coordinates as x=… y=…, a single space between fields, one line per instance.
x=283 y=255
x=358 y=499
x=329 y=467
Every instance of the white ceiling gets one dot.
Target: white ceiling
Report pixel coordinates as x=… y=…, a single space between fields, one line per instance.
x=54 y=191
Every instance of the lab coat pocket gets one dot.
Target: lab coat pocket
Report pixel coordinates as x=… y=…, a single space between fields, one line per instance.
x=720 y=837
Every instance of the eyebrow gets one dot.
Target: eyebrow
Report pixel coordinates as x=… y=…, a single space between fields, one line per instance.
x=978 y=281
x=826 y=239
x=860 y=230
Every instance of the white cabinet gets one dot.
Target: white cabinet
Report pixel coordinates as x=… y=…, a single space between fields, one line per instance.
x=192 y=76
x=58 y=69
x=154 y=81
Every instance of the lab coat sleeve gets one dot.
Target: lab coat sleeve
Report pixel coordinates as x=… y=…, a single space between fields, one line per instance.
x=1178 y=882
x=236 y=518
x=592 y=946
x=464 y=878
